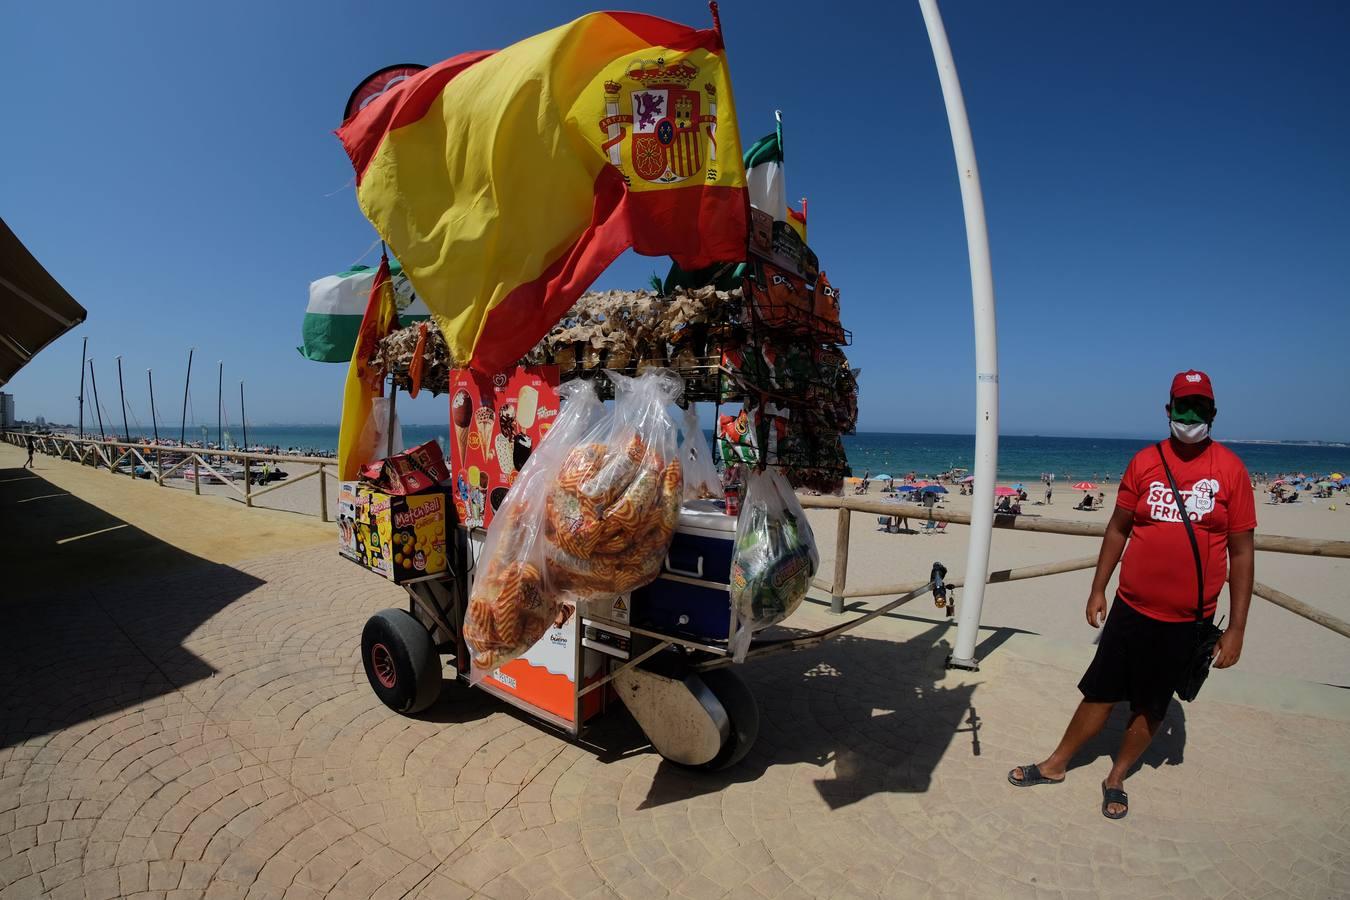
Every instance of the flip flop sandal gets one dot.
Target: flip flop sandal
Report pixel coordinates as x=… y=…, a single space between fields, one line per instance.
x=1031 y=776
x=1114 y=795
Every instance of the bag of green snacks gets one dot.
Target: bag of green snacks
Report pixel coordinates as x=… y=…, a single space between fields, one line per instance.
x=774 y=561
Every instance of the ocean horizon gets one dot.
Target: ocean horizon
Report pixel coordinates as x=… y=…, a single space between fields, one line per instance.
x=1021 y=457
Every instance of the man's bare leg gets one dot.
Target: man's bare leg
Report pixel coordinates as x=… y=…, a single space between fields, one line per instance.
x=1088 y=719
x=1137 y=737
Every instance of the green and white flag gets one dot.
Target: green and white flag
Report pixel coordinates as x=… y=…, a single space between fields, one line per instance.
x=764 y=174
x=337 y=303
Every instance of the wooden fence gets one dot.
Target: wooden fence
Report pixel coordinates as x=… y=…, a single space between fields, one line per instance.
x=167 y=460
x=839 y=590
x=161 y=461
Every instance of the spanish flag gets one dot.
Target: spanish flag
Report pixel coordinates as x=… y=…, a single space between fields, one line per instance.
x=364 y=384
x=797 y=220
x=506 y=181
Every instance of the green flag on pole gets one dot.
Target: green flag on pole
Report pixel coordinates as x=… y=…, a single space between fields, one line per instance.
x=337 y=303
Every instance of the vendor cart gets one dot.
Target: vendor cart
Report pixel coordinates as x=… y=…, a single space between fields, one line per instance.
x=670 y=668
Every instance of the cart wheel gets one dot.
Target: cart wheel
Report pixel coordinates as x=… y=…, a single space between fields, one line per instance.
x=401 y=661
x=742 y=711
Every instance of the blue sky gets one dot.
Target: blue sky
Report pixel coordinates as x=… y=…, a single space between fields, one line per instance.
x=1168 y=185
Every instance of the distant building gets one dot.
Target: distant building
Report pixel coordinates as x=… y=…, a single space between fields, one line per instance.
x=6 y=410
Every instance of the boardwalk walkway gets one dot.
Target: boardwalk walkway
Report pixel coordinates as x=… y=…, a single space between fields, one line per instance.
x=184 y=714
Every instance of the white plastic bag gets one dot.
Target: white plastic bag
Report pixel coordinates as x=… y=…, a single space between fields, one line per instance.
x=373 y=443
x=514 y=601
x=613 y=508
x=701 y=481
x=774 y=560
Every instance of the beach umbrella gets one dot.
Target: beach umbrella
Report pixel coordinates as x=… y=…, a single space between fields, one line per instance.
x=906 y=488
x=1019 y=486
x=882 y=477
x=1004 y=492
x=1084 y=486
x=932 y=489
x=968 y=479
x=1278 y=481
x=1325 y=484
x=1336 y=476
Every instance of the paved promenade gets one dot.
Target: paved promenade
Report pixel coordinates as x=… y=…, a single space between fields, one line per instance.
x=184 y=714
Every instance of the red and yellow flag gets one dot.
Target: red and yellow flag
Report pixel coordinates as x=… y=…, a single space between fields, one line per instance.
x=506 y=181
x=797 y=220
x=364 y=384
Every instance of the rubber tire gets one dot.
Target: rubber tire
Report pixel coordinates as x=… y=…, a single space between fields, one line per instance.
x=417 y=665
x=742 y=711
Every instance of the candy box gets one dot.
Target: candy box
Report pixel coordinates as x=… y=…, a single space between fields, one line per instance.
x=346 y=520
x=401 y=537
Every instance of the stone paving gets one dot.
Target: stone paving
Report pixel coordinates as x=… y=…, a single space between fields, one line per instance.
x=207 y=731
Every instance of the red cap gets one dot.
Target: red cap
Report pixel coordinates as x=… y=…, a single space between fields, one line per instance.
x=1190 y=383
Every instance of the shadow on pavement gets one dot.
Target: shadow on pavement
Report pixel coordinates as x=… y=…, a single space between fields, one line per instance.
x=78 y=582
x=876 y=710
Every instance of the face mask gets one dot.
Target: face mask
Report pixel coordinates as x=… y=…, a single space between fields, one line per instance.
x=1190 y=433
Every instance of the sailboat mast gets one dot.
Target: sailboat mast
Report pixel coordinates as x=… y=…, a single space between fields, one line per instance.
x=84 y=356
x=150 y=376
x=97 y=408
x=220 y=403
x=187 y=379
x=243 y=419
x=121 y=392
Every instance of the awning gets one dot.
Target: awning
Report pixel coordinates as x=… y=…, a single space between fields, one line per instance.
x=36 y=309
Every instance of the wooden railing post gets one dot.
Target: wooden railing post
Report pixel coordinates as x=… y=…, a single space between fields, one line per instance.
x=196 y=475
x=323 y=494
x=840 y=560
x=248 y=482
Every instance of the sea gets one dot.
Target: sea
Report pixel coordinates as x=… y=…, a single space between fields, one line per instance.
x=1021 y=457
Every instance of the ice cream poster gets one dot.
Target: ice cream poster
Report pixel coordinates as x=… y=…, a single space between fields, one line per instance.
x=496 y=421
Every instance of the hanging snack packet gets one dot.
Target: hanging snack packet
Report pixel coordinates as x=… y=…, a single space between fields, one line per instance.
x=736 y=439
x=701 y=481
x=514 y=599
x=612 y=511
x=775 y=558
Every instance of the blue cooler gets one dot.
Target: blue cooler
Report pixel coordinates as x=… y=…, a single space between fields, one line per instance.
x=691 y=596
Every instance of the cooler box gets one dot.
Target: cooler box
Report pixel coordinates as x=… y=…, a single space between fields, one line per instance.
x=691 y=597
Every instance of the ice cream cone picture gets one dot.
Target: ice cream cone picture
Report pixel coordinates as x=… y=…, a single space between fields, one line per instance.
x=483 y=419
x=461 y=413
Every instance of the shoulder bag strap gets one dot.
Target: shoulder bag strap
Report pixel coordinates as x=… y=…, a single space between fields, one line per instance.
x=1190 y=533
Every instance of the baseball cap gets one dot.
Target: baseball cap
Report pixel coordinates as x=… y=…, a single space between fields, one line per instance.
x=1192 y=382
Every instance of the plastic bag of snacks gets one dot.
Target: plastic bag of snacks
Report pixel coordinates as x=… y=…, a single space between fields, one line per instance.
x=701 y=481
x=514 y=599
x=775 y=558
x=613 y=508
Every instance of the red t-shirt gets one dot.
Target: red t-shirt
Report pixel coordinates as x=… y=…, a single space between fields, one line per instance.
x=1157 y=576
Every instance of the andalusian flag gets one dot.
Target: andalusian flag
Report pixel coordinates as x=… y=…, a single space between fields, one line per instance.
x=337 y=304
x=364 y=384
x=764 y=173
x=797 y=220
x=506 y=181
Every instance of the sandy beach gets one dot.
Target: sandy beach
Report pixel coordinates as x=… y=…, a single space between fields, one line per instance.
x=1278 y=642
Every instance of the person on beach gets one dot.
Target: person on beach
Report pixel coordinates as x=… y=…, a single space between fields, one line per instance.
x=1149 y=637
x=1049 y=492
x=28 y=442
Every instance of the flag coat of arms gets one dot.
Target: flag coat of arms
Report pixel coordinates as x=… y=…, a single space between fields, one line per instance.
x=506 y=181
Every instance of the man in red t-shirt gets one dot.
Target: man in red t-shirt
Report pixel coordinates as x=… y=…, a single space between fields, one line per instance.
x=1150 y=636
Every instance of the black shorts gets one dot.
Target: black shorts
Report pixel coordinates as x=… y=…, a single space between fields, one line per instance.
x=1139 y=659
